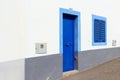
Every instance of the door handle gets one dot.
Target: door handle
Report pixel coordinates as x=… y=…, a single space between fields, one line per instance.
x=67 y=44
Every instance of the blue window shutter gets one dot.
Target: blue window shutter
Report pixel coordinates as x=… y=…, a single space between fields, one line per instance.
x=99 y=30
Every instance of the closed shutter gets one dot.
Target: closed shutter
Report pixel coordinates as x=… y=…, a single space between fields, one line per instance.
x=99 y=30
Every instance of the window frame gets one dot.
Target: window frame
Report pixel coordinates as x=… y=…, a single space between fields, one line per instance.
x=93 y=28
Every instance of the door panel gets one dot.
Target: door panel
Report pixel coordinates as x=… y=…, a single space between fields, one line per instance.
x=68 y=42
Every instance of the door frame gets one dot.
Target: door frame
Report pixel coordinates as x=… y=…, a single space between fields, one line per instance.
x=77 y=36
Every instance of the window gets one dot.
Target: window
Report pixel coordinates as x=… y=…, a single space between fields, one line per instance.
x=99 y=30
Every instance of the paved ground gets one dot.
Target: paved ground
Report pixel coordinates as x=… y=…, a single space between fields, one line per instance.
x=106 y=71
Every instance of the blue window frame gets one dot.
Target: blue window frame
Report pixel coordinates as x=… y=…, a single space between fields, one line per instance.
x=99 y=30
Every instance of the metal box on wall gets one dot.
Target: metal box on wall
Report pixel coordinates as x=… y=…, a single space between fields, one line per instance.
x=41 y=48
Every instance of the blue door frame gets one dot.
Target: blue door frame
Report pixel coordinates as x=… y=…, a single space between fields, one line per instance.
x=75 y=17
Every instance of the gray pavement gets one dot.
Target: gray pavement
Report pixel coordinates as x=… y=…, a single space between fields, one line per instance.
x=106 y=71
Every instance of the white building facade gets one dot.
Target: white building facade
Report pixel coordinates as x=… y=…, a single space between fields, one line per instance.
x=26 y=24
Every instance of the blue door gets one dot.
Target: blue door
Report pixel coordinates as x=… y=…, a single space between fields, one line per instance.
x=69 y=37
x=68 y=42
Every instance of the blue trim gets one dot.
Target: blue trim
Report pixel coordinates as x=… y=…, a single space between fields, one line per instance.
x=77 y=27
x=98 y=43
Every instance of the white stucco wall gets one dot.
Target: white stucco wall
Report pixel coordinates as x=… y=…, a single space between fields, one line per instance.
x=26 y=22
x=12 y=29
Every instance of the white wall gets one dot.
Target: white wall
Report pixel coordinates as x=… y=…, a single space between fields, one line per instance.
x=44 y=22
x=26 y=22
x=12 y=29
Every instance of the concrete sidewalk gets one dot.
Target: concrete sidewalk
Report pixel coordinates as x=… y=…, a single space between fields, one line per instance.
x=106 y=71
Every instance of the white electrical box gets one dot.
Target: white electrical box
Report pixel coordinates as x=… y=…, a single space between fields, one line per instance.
x=114 y=42
x=41 y=48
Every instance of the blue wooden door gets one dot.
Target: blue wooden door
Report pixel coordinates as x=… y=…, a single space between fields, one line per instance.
x=68 y=42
